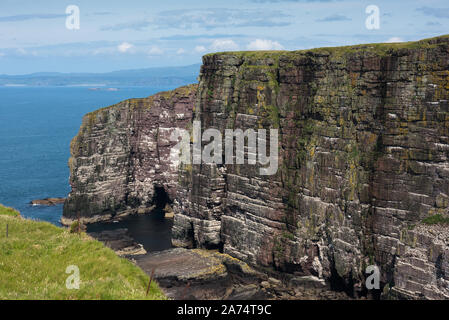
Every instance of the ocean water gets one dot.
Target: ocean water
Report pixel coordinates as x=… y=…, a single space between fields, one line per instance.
x=152 y=230
x=36 y=127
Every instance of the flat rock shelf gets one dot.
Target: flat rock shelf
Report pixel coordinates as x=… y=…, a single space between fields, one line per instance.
x=196 y=274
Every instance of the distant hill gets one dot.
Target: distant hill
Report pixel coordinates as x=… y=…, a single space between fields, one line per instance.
x=154 y=77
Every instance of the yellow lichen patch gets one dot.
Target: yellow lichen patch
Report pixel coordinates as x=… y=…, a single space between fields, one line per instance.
x=341 y=217
x=134 y=104
x=245 y=267
x=74 y=146
x=188 y=168
x=424 y=118
x=372 y=138
x=216 y=268
x=319 y=99
x=414 y=240
x=405 y=158
x=403 y=129
x=91 y=120
x=71 y=163
x=354 y=77
x=183 y=91
x=447 y=80
x=401 y=235
x=312 y=150
x=352 y=181
x=260 y=97
x=441 y=80
x=434 y=211
x=407 y=238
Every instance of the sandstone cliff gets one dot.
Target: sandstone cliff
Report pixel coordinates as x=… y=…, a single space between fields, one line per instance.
x=364 y=142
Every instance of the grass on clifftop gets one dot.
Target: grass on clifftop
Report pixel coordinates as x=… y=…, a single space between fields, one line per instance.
x=8 y=211
x=35 y=256
x=379 y=48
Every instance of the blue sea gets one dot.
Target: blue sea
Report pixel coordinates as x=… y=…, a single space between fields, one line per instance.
x=36 y=127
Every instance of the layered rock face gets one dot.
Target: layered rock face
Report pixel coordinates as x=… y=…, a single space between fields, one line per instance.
x=121 y=156
x=363 y=159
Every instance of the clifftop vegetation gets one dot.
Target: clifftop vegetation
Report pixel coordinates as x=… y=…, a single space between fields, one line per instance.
x=35 y=256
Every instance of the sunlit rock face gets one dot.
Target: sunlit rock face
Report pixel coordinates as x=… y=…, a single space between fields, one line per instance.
x=363 y=160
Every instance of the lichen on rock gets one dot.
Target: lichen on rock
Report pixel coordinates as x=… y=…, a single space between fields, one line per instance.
x=363 y=146
x=121 y=154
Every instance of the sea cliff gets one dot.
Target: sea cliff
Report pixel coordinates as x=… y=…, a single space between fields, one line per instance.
x=363 y=164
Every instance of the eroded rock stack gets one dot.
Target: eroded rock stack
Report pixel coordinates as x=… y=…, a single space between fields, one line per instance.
x=122 y=154
x=363 y=145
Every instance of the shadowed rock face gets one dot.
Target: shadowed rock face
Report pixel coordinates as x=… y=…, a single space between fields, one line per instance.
x=363 y=145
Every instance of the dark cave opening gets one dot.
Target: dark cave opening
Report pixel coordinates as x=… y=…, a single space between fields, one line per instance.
x=160 y=201
x=153 y=230
x=347 y=285
x=191 y=235
x=337 y=283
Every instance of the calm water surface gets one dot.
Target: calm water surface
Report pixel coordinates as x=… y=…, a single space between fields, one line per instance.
x=36 y=127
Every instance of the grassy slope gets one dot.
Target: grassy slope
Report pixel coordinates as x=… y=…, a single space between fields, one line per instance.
x=34 y=258
x=8 y=211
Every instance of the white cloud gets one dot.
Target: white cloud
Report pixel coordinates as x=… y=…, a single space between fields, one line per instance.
x=260 y=44
x=180 y=51
x=124 y=47
x=224 y=45
x=200 y=49
x=155 y=51
x=211 y=18
x=394 y=39
x=21 y=51
x=2 y=54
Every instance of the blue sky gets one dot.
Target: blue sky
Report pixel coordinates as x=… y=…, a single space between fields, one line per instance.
x=131 y=34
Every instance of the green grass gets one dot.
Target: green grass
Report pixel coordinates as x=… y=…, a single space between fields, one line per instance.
x=8 y=211
x=34 y=258
x=436 y=219
x=378 y=48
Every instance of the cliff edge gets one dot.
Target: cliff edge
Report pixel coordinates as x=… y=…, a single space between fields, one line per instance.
x=363 y=162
